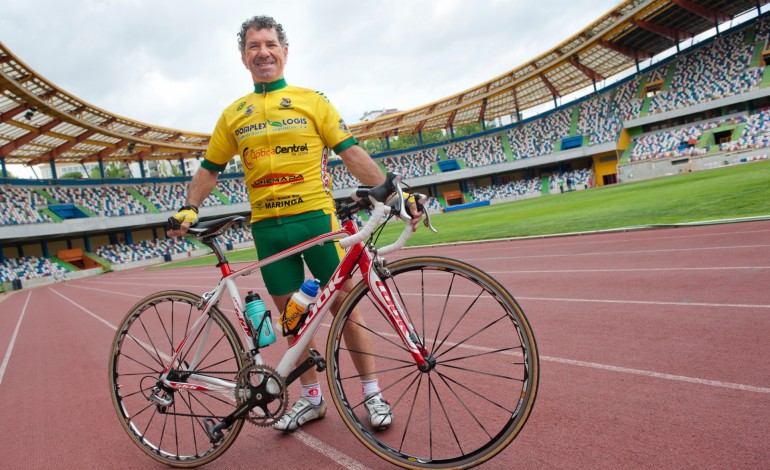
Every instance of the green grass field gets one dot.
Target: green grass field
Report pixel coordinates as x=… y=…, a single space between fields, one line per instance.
x=724 y=193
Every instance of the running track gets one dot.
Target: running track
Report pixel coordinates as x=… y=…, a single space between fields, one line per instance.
x=654 y=354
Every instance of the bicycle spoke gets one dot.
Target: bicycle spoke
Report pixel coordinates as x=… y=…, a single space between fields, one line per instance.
x=481 y=330
x=464 y=405
x=457 y=323
x=475 y=392
x=446 y=415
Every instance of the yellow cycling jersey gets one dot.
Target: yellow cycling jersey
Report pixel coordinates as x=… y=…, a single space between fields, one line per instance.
x=283 y=135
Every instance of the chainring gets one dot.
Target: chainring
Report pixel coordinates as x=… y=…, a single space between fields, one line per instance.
x=274 y=394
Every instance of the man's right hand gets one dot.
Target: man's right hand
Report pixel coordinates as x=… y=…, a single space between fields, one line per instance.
x=177 y=224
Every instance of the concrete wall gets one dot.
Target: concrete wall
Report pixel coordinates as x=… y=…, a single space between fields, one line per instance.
x=639 y=171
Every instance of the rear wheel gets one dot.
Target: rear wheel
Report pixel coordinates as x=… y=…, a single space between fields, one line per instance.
x=168 y=424
x=478 y=396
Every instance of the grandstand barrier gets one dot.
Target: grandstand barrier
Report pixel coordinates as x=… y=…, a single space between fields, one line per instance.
x=647 y=169
x=572 y=142
x=67 y=211
x=48 y=280
x=470 y=205
x=448 y=165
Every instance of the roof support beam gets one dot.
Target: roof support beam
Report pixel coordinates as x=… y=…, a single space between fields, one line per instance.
x=55 y=153
x=672 y=34
x=631 y=53
x=707 y=13
x=550 y=86
x=588 y=72
x=482 y=110
x=13 y=112
x=451 y=119
x=26 y=138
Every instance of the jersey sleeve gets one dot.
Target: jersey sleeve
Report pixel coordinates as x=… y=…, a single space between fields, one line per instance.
x=222 y=147
x=332 y=127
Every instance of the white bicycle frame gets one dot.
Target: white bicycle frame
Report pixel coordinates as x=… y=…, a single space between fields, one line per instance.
x=357 y=255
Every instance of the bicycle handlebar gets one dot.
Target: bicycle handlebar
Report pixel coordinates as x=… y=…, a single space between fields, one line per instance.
x=377 y=196
x=368 y=229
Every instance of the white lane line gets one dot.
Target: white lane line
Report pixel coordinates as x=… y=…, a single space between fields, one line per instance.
x=95 y=316
x=330 y=452
x=320 y=446
x=645 y=302
x=629 y=270
x=8 y=351
x=658 y=375
x=628 y=252
x=623 y=370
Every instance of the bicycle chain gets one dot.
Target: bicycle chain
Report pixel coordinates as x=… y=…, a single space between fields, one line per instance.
x=241 y=381
x=247 y=363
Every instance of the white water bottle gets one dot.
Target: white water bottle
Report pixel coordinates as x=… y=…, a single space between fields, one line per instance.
x=297 y=306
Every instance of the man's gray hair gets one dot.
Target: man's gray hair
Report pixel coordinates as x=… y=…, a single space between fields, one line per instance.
x=261 y=22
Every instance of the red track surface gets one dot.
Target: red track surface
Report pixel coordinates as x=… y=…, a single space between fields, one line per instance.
x=654 y=354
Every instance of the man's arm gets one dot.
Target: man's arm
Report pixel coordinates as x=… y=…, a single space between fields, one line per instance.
x=202 y=184
x=361 y=165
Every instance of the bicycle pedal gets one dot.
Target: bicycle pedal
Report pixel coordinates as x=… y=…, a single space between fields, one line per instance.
x=320 y=362
x=214 y=430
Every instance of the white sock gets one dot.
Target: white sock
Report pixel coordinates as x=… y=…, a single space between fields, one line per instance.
x=370 y=387
x=312 y=393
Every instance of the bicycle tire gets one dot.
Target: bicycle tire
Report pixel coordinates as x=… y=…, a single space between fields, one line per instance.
x=144 y=342
x=480 y=388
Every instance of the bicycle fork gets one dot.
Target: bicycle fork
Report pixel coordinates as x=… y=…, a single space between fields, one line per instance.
x=422 y=357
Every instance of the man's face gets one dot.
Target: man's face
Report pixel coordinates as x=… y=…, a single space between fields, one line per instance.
x=263 y=55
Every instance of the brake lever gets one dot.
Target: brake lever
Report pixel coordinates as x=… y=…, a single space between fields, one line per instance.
x=421 y=207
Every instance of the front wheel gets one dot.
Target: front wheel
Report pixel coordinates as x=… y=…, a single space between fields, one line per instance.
x=169 y=424
x=478 y=396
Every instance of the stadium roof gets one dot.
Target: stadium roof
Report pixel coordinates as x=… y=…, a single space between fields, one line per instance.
x=40 y=122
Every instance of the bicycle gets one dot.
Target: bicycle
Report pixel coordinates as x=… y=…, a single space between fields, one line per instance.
x=454 y=352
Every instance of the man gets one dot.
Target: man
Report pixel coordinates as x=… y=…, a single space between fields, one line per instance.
x=283 y=135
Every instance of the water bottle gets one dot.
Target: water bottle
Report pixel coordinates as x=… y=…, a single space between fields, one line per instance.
x=259 y=317
x=297 y=306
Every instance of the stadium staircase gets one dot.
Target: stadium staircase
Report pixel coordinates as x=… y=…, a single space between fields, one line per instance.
x=574 y=122
x=506 y=143
x=225 y=200
x=142 y=200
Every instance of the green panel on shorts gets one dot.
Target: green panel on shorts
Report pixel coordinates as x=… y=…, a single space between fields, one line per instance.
x=274 y=235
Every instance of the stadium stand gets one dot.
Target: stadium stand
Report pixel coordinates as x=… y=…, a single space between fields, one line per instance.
x=19 y=205
x=413 y=165
x=28 y=267
x=122 y=253
x=679 y=142
x=539 y=137
x=715 y=71
x=103 y=201
x=477 y=152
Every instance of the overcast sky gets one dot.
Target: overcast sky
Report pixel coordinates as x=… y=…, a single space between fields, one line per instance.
x=176 y=63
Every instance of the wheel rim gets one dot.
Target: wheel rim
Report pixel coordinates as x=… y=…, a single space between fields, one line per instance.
x=145 y=341
x=480 y=393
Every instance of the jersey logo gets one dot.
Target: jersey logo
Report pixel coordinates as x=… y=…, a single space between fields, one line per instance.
x=249 y=110
x=241 y=105
x=285 y=102
x=276 y=179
